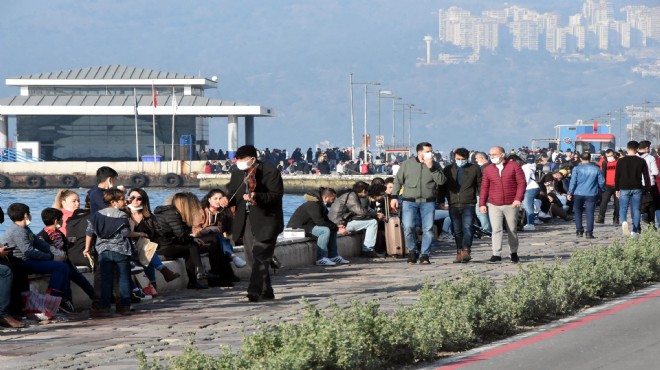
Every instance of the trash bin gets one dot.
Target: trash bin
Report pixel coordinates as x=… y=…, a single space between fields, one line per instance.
x=150 y=158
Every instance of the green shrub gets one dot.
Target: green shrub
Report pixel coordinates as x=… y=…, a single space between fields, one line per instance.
x=448 y=316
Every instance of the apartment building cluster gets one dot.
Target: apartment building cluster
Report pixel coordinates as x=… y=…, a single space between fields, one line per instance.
x=594 y=30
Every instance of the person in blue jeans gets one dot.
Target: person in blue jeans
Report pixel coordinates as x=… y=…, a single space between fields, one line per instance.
x=419 y=178
x=586 y=182
x=6 y=278
x=630 y=170
x=463 y=181
x=35 y=253
x=114 y=247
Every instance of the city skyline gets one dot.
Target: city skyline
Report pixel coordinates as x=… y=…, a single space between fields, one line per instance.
x=596 y=29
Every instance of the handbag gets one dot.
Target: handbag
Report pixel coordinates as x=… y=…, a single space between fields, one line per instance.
x=145 y=250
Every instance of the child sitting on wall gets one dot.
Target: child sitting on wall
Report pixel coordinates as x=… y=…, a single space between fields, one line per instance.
x=52 y=218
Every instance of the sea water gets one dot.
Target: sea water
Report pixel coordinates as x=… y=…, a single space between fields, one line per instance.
x=38 y=199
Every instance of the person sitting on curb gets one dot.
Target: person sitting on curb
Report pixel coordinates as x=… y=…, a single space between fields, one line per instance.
x=6 y=278
x=312 y=216
x=348 y=214
x=36 y=255
x=58 y=242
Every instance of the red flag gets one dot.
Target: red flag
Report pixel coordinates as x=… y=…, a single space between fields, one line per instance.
x=153 y=89
x=595 y=126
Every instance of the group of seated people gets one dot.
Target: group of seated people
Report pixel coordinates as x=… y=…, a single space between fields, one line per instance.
x=104 y=235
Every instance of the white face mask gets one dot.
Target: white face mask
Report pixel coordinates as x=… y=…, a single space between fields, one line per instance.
x=610 y=159
x=28 y=222
x=243 y=165
x=134 y=208
x=57 y=226
x=496 y=160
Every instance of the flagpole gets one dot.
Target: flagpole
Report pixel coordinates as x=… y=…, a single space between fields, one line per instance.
x=153 y=110
x=174 y=106
x=137 y=147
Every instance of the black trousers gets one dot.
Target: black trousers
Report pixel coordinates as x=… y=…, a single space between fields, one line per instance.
x=648 y=204
x=605 y=199
x=19 y=284
x=262 y=255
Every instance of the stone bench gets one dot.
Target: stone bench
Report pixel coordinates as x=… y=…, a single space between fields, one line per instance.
x=291 y=253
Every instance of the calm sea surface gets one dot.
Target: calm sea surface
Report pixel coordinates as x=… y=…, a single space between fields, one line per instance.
x=38 y=199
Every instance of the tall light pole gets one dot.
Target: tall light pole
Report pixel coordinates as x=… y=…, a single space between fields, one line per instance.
x=353 y=116
x=410 y=112
x=394 y=99
x=404 y=106
x=380 y=93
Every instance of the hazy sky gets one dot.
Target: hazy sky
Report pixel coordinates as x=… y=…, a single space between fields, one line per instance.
x=295 y=56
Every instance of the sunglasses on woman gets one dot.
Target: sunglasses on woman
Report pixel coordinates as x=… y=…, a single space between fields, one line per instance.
x=135 y=198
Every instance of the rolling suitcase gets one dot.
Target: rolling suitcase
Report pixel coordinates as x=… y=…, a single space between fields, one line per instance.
x=393 y=235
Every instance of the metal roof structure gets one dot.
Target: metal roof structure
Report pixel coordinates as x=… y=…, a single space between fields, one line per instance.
x=125 y=105
x=113 y=74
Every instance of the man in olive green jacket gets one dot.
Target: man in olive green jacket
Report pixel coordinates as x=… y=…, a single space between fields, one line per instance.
x=419 y=177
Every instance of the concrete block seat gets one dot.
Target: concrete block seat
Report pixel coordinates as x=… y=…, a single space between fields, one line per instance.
x=291 y=253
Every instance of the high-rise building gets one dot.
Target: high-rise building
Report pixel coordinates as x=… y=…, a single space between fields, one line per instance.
x=525 y=35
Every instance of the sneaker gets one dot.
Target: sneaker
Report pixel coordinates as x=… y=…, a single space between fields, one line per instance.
x=412 y=257
x=447 y=237
x=325 y=261
x=495 y=259
x=339 y=260
x=368 y=254
x=67 y=307
x=600 y=220
x=579 y=234
x=424 y=260
x=150 y=290
x=624 y=227
x=529 y=227
x=514 y=258
x=590 y=236
x=538 y=222
x=138 y=293
x=634 y=235
x=239 y=262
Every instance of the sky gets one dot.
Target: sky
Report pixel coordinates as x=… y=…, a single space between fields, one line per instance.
x=296 y=57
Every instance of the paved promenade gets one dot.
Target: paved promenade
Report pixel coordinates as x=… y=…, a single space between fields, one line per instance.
x=222 y=316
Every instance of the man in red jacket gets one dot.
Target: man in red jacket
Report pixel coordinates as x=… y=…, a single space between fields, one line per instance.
x=502 y=190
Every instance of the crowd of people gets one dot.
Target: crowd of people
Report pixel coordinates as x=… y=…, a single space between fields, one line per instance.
x=474 y=194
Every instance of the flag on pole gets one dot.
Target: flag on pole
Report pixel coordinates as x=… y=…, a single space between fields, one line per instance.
x=135 y=103
x=153 y=89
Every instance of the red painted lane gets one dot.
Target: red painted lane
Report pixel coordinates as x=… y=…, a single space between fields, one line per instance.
x=545 y=335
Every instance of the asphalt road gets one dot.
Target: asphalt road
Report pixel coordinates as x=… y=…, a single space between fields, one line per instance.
x=622 y=335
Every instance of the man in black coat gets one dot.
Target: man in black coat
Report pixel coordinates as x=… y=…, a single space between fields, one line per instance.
x=312 y=216
x=256 y=190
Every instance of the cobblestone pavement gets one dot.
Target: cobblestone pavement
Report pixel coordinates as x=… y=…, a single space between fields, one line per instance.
x=223 y=316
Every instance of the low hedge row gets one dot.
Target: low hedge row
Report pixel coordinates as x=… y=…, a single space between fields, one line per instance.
x=449 y=316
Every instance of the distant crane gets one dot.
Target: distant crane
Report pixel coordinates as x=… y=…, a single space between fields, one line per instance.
x=428 y=40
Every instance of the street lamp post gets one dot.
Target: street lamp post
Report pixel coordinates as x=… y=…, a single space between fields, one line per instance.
x=353 y=115
x=380 y=95
x=410 y=112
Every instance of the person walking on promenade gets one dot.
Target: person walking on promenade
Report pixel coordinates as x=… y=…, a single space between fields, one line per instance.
x=608 y=167
x=647 y=205
x=419 y=176
x=256 y=189
x=502 y=191
x=586 y=180
x=532 y=190
x=463 y=181
x=631 y=170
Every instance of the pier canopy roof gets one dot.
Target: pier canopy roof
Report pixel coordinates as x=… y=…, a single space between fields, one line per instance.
x=113 y=90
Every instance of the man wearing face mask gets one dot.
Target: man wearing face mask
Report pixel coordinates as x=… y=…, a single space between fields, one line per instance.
x=312 y=216
x=419 y=177
x=608 y=167
x=461 y=188
x=502 y=191
x=256 y=189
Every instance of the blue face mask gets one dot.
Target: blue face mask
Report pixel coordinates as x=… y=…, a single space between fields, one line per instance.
x=461 y=163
